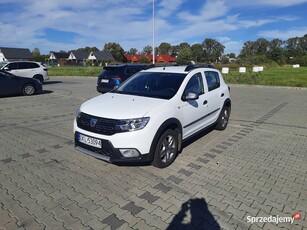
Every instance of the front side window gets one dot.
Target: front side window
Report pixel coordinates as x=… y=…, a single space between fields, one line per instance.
x=213 y=80
x=195 y=85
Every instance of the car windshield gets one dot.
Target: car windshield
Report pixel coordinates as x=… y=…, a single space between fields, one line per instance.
x=5 y=74
x=152 y=84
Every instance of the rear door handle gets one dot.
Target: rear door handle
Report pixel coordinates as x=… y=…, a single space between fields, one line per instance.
x=222 y=95
x=205 y=102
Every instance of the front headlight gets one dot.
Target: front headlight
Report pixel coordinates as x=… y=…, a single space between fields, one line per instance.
x=78 y=113
x=134 y=124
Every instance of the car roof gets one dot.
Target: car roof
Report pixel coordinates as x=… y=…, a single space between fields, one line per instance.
x=168 y=69
x=126 y=65
x=22 y=61
x=178 y=69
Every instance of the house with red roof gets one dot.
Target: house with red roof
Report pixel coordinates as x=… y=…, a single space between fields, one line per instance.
x=128 y=57
x=136 y=58
x=165 y=58
x=162 y=58
x=149 y=56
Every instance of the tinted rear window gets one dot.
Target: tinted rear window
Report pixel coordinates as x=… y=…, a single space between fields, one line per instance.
x=27 y=65
x=111 y=72
x=133 y=70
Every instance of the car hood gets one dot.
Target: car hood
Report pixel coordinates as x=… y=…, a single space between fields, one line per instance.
x=120 y=106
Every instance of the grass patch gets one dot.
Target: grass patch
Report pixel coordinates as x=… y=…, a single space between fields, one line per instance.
x=74 y=71
x=275 y=76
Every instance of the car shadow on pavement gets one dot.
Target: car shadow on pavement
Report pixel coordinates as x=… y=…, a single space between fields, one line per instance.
x=51 y=82
x=46 y=92
x=194 y=214
x=197 y=136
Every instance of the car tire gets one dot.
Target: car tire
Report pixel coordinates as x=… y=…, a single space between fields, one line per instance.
x=28 y=90
x=223 y=119
x=166 y=149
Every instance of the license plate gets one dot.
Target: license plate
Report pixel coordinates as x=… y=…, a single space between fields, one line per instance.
x=89 y=141
x=104 y=80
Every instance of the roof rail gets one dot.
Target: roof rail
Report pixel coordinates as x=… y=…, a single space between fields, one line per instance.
x=150 y=66
x=193 y=66
x=162 y=64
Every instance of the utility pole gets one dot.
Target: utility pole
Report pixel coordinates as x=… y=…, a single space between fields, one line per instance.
x=153 y=31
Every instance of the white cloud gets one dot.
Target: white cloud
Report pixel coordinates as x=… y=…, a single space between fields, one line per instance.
x=130 y=22
x=168 y=7
x=285 y=34
x=275 y=3
x=210 y=10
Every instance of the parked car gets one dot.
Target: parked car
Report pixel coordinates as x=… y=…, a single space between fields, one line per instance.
x=113 y=75
x=28 y=69
x=147 y=118
x=11 y=84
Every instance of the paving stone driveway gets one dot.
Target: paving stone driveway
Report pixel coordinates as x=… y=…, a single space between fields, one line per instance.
x=257 y=167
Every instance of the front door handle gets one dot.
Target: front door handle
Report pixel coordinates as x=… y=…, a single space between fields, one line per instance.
x=222 y=95
x=205 y=102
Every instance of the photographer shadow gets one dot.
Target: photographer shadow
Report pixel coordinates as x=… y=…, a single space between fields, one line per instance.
x=194 y=214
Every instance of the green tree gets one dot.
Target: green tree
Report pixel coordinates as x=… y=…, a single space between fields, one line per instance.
x=86 y=49
x=174 y=50
x=232 y=55
x=247 y=49
x=147 y=49
x=37 y=55
x=164 y=48
x=276 y=51
x=259 y=47
x=197 y=52
x=116 y=50
x=183 y=45
x=133 y=51
x=225 y=59
x=184 y=56
x=262 y=46
x=144 y=59
x=213 y=50
x=296 y=46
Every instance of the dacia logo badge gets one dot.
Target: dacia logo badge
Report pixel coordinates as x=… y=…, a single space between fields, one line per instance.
x=93 y=122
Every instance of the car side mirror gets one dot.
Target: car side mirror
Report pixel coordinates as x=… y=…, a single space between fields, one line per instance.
x=6 y=69
x=188 y=96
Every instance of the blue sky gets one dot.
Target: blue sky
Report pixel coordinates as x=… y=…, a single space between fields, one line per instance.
x=53 y=25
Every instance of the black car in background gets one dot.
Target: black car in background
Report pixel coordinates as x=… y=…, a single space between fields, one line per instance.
x=113 y=75
x=11 y=84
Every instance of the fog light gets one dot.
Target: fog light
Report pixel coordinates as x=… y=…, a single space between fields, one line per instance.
x=129 y=152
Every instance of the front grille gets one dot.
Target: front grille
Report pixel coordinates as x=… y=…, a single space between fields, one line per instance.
x=97 y=125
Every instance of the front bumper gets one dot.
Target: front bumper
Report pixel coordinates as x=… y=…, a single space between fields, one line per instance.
x=109 y=153
x=39 y=88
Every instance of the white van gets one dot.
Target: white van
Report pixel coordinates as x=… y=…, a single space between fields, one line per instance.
x=26 y=69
